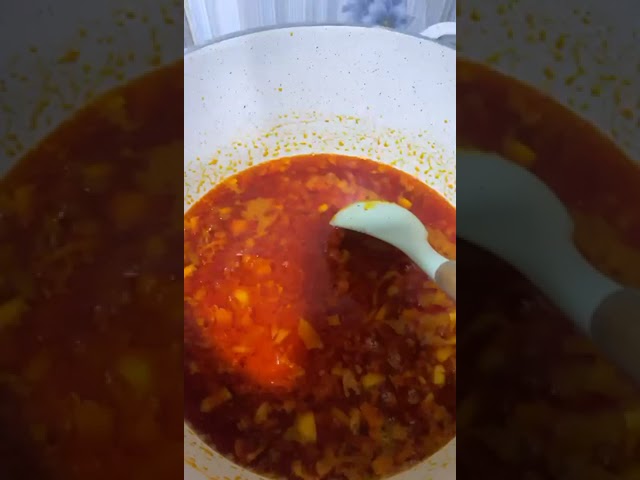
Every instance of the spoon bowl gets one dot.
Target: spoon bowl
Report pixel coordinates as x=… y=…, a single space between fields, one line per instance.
x=397 y=226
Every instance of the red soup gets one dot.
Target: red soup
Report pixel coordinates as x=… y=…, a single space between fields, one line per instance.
x=311 y=352
x=542 y=402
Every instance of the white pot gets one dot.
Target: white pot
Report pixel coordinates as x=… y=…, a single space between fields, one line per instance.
x=358 y=91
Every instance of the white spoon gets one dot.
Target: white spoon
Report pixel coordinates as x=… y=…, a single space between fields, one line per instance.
x=508 y=211
x=399 y=227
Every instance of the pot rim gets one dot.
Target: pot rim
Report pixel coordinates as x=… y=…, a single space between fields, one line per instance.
x=251 y=31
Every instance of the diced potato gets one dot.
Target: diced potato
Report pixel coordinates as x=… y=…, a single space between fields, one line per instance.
x=298 y=470
x=37 y=367
x=216 y=399
x=382 y=465
x=92 y=420
x=444 y=353
x=156 y=246
x=340 y=416
x=306 y=427
x=96 y=173
x=224 y=213
x=262 y=413
x=398 y=325
x=349 y=383
x=404 y=202
x=355 y=420
x=136 y=372
x=371 y=380
x=280 y=336
x=631 y=473
x=439 y=375
x=308 y=335
x=381 y=313
x=632 y=420
x=191 y=223
x=393 y=290
x=333 y=320
x=399 y=432
x=10 y=312
x=262 y=267
x=127 y=208
x=324 y=466
x=519 y=152
x=23 y=200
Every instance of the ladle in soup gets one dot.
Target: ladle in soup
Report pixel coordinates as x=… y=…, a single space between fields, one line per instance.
x=397 y=226
x=511 y=213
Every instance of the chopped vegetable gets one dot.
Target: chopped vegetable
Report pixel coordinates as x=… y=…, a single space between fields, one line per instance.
x=308 y=335
x=136 y=371
x=306 y=427
x=213 y=401
x=10 y=312
x=371 y=380
x=439 y=375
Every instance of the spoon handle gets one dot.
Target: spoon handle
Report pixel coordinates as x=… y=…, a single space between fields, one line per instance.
x=445 y=278
x=615 y=328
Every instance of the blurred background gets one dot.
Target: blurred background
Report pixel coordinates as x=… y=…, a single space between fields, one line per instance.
x=207 y=20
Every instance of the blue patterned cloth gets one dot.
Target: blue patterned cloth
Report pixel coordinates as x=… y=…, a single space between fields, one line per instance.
x=386 y=13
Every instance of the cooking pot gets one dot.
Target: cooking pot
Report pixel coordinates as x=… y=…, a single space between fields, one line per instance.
x=367 y=92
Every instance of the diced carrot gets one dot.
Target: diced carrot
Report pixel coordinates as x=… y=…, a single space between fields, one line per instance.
x=222 y=316
x=372 y=415
x=242 y=296
x=192 y=223
x=238 y=226
x=323 y=208
x=262 y=267
x=189 y=270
